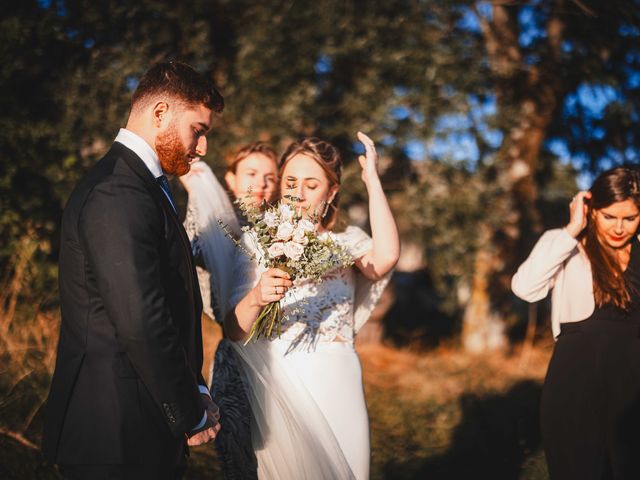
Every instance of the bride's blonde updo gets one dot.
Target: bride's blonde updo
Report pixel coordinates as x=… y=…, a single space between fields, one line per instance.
x=328 y=157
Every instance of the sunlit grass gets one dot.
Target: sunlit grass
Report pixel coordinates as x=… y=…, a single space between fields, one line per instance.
x=449 y=415
x=442 y=414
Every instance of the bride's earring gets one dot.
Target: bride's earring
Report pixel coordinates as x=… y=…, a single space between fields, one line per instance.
x=326 y=209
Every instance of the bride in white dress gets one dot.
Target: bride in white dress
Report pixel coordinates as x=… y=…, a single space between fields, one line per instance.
x=309 y=416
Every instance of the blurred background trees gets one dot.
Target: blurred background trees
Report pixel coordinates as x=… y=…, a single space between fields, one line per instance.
x=486 y=115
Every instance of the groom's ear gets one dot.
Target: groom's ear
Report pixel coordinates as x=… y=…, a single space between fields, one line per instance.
x=160 y=114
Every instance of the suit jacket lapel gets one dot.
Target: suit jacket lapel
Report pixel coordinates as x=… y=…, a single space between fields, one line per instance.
x=140 y=169
x=138 y=166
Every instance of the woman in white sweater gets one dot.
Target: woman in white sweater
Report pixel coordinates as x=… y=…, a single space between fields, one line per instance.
x=590 y=408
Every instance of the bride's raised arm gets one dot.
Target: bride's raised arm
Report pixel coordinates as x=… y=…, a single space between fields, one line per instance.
x=385 y=252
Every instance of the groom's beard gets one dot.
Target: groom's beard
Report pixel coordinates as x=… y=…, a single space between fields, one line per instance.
x=171 y=152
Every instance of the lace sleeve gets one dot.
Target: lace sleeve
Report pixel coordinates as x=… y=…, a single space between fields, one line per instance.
x=192 y=228
x=367 y=292
x=204 y=281
x=356 y=242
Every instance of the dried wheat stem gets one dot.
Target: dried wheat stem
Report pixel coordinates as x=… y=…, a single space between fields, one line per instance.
x=19 y=438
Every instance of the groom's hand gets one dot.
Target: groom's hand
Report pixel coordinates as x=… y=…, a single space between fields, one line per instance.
x=203 y=436
x=213 y=412
x=210 y=428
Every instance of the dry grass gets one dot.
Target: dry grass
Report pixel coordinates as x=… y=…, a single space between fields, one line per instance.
x=447 y=414
x=446 y=373
x=442 y=414
x=27 y=356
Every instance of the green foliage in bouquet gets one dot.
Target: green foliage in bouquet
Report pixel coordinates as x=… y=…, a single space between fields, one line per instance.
x=290 y=241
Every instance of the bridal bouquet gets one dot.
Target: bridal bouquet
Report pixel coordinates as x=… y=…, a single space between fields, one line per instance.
x=291 y=243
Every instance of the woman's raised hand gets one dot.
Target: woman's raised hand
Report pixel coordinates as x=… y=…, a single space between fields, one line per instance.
x=578 y=210
x=368 y=161
x=272 y=287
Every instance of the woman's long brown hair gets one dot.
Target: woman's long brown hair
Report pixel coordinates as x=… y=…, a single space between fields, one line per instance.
x=615 y=185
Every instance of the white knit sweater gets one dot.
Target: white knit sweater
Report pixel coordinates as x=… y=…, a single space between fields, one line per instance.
x=557 y=263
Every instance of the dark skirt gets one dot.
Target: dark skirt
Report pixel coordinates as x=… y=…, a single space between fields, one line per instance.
x=590 y=410
x=233 y=442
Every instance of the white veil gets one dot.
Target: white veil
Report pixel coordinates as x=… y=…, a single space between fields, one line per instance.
x=209 y=204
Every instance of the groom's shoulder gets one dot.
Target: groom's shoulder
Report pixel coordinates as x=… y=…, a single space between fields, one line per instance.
x=119 y=161
x=112 y=179
x=119 y=166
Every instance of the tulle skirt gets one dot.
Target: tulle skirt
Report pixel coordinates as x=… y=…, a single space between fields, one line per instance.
x=309 y=413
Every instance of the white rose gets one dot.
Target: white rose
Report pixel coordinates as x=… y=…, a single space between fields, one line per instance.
x=285 y=230
x=293 y=250
x=286 y=212
x=306 y=225
x=271 y=219
x=276 y=249
x=299 y=236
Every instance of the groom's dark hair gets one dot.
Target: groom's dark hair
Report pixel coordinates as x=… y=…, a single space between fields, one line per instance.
x=177 y=80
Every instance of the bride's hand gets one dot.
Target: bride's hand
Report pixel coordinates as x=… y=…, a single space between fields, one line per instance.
x=368 y=161
x=272 y=287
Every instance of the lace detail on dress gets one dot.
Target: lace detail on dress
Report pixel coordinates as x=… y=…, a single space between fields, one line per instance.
x=355 y=241
x=323 y=311
x=320 y=311
x=367 y=292
x=191 y=227
x=367 y=295
x=332 y=309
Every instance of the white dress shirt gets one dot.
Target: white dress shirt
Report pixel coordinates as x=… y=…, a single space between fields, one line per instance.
x=148 y=155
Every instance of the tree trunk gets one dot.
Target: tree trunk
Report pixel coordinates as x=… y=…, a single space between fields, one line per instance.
x=482 y=327
x=531 y=93
x=514 y=220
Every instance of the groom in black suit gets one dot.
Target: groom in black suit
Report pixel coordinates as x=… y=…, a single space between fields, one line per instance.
x=127 y=395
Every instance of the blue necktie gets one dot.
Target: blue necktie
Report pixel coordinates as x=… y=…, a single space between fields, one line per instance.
x=164 y=184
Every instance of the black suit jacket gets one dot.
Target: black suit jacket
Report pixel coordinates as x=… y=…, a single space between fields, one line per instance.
x=125 y=386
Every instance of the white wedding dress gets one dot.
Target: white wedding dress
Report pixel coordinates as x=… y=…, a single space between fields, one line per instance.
x=308 y=412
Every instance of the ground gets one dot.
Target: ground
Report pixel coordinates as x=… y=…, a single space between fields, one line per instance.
x=438 y=414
